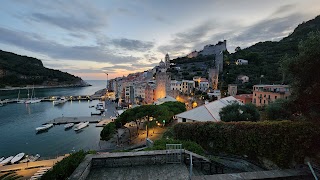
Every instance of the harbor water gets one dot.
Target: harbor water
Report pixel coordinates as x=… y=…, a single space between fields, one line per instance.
x=18 y=123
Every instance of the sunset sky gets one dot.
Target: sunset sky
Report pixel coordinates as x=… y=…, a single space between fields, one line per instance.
x=87 y=38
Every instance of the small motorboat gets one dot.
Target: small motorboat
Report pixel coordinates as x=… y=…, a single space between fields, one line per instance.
x=6 y=161
x=34 y=158
x=17 y=158
x=81 y=126
x=60 y=100
x=69 y=125
x=100 y=106
x=44 y=127
x=1 y=159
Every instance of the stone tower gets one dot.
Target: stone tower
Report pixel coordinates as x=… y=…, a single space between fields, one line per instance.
x=162 y=81
x=167 y=61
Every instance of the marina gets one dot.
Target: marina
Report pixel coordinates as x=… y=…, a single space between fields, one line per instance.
x=19 y=121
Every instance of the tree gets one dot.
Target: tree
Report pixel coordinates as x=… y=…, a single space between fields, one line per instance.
x=238 y=112
x=237 y=49
x=145 y=111
x=304 y=71
x=279 y=109
x=175 y=107
x=108 y=131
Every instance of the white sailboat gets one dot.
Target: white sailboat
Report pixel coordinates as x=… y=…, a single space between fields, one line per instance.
x=60 y=100
x=17 y=158
x=34 y=99
x=69 y=125
x=44 y=127
x=6 y=161
x=81 y=126
x=19 y=101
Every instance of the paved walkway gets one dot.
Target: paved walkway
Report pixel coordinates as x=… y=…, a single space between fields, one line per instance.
x=28 y=169
x=159 y=172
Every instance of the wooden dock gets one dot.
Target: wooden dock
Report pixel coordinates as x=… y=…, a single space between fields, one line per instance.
x=66 y=120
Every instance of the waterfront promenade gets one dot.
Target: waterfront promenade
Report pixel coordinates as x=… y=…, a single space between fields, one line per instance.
x=28 y=169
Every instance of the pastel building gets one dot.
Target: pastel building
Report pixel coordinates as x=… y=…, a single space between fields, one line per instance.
x=244 y=98
x=265 y=94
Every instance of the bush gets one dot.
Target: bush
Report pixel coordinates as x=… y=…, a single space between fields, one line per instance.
x=63 y=169
x=238 y=112
x=279 y=141
x=108 y=131
x=188 y=145
x=279 y=109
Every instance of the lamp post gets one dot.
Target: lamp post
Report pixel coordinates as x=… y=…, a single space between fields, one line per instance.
x=149 y=119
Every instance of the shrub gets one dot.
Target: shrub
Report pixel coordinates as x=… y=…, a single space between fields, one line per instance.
x=279 y=141
x=108 y=131
x=279 y=109
x=238 y=112
x=63 y=169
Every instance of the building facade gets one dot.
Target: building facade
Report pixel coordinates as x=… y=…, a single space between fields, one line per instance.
x=265 y=94
x=232 y=89
x=244 y=98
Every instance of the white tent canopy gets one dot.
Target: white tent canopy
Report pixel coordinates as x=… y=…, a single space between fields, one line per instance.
x=206 y=112
x=165 y=99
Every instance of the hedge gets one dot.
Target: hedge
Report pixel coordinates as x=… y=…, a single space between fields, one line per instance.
x=63 y=169
x=279 y=141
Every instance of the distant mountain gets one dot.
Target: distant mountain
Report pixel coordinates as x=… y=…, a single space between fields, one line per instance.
x=17 y=70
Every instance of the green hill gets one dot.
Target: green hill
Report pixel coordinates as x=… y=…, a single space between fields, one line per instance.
x=16 y=70
x=265 y=58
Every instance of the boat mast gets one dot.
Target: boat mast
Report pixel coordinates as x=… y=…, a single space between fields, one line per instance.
x=18 y=95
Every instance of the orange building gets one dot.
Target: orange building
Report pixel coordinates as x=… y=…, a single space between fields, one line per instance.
x=244 y=98
x=265 y=94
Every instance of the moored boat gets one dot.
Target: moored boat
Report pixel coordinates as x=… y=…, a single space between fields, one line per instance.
x=44 y=127
x=81 y=126
x=34 y=158
x=69 y=125
x=100 y=106
x=32 y=101
x=1 y=159
x=17 y=158
x=6 y=161
x=60 y=100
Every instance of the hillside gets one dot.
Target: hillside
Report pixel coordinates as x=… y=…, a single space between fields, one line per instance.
x=16 y=70
x=265 y=58
x=264 y=61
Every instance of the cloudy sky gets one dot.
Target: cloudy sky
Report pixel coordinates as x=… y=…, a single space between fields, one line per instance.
x=89 y=37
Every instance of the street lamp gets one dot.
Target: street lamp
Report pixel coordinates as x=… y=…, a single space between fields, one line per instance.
x=150 y=119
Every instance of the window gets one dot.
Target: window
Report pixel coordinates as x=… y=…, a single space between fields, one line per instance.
x=275 y=97
x=260 y=101
x=255 y=94
x=184 y=120
x=264 y=101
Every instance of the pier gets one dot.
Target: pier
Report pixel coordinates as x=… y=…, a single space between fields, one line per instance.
x=66 y=120
x=53 y=98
